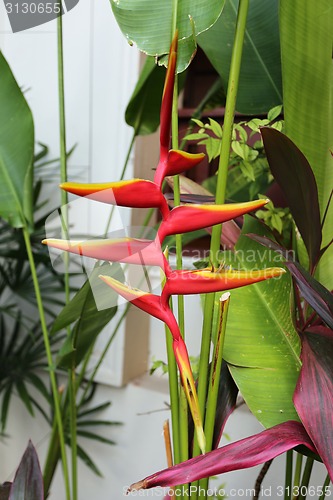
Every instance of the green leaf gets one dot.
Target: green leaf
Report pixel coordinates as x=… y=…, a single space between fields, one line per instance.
x=306 y=30
x=143 y=110
x=260 y=78
x=148 y=23
x=16 y=151
x=262 y=346
x=90 y=320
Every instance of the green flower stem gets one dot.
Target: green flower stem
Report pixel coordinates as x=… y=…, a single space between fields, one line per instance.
x=50 y=363
x=102 y=356
x=64 y=204
x=289 y=475
x=183 y=407
x=325 y=487
x=306 y=478
x=174 y=396
x=214 y=378
x=220 y=197
x=122 y=175
x=298 y=472
x=52 y=458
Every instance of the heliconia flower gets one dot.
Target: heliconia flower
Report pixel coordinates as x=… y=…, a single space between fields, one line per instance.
x=176 y=162
x=167 y=98
x=207 y=280
x=125 y=250
x=248 y=452
x=151 y=304
x=192 y=217
x=171 y=162
x=134 y=193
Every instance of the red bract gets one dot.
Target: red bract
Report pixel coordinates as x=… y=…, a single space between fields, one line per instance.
x=207 y=280
x=186 y=218
x=125 y=250
x=135 y=193
x=152 y=305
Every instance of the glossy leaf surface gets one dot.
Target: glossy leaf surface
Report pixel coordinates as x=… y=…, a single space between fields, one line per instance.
x=319 y=298
x=16 y=151
x=260 y=80
x=148 y=24
x=262 y=346
x=142 y=112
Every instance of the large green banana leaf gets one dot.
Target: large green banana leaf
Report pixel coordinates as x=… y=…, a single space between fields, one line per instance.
x=306 y=29
x=16 y=151
x=260 y=86
x=148 y=24
x=262 y=346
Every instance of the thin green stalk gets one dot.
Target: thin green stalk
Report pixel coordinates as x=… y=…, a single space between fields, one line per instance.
x=174 y=396
x=64 y=204
x=183 y=407
x=220 y=197
x=298 y=472
x=289 y=475
x=122 y=175
x=325 y=488
x=214 y=378
x=52 y=458
x=306 y=478
x=102 y=356
x=50 y=363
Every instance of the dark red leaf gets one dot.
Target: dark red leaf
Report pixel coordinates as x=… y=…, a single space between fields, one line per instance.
x=226 y=402
x=242 y=454
x=28 y=481
x=313 y=397
x=294 y=175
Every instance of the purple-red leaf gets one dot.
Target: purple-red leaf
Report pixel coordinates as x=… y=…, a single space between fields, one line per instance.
x=226 y=402
x=294 y=175
x=319 y=298
x=313 y=397
x=242 y=454
x=28 y=481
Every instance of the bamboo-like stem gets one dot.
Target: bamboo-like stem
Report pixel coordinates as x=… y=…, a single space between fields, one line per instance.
x=214 y=378
x=168 y=448
x=325 y=488
x=260 y=478
x=122 y=175
x=220 y=197
x=306 y=478
x=174 y=396
x=55 y=393
x=64 y=204
x=289 y=475
x=52 y=458
x=297 y=475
